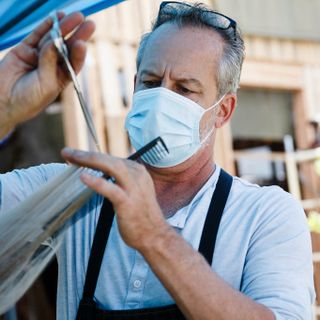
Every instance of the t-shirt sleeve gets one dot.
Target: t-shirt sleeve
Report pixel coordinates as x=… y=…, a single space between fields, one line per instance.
x=17 y=185
x=278 y=271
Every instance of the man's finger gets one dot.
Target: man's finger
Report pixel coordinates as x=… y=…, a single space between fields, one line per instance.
x=27 y=54
x=78 y=55
x=67 y=24
x=107 y=189
x=35 y=36
x=111 y=166
x=70 y=22
x=84 y=32
x=48 y=65
x=76 y=45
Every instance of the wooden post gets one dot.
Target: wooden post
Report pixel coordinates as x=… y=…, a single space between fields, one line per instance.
x=112 y=96
x=223 y=154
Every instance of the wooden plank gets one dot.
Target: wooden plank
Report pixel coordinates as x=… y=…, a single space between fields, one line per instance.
x=118 y=144
x=272 y=156
x=259 y=47
x=107 y=25
x=114 y=109
x=292 y=176
x=108 y=56
x=129 y=21
x=147 y=10
x=92 y=92
x=315 y=237
x=75 y=131
x=128 y=54
x=223 y=152
x=311 y=90
x=270 y=49
x=288 y=52
x=291 y=167
x=311 y=204
x=282 y=50
x=316 y=256
x=304 y=135
x=269 y=75
x=307 y=155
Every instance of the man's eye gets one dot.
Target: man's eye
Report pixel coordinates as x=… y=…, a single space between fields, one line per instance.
x=184 y=90
x=150 y=84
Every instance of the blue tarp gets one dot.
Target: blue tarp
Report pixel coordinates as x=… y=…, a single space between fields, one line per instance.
x=19 y=17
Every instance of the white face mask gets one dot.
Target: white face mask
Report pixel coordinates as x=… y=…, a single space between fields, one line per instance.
x=176 y=119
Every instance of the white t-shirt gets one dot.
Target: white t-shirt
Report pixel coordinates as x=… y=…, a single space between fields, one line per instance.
x=263 y=248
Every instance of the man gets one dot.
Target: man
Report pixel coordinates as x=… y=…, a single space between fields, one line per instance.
x=188 y=71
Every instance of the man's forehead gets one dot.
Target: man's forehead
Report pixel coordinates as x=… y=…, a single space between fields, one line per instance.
x=189 y=49
x=187 y=35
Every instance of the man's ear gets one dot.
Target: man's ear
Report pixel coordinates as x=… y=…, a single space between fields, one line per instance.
x=226 y=109
x=134 y=82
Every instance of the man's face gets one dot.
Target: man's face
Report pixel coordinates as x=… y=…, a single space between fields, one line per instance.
x=184 y=60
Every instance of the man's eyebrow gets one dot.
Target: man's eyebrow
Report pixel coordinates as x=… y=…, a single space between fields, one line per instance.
x=151 y=73
x=191 y=81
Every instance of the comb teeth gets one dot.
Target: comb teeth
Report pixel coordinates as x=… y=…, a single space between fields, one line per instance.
x=155 y=154
x=152 y=152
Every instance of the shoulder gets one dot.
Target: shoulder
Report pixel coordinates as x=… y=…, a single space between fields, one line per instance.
x=43 y=172
x=267 y=200
x=265 y=215
x=278 y=250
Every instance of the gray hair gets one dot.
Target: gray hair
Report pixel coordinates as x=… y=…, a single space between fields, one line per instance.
x=198 y=15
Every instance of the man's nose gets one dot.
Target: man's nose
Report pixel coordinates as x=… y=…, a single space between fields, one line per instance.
x=168 y=84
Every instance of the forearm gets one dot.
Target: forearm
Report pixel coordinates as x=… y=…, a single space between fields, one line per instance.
x=197 y=289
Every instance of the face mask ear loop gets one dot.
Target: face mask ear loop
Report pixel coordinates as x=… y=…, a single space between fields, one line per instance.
x=211 y=108
x=216 y=104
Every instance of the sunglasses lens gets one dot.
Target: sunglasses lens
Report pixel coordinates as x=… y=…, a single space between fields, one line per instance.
x=219 y=21
x=216 y=20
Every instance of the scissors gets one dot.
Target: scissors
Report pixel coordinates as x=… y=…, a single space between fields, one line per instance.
x=61 y=47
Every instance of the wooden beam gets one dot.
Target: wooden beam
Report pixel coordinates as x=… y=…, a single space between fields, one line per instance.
x=223 y=153
x=75 y=130
x=271 y=75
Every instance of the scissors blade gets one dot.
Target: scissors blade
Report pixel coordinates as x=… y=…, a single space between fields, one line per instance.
x=63 y=51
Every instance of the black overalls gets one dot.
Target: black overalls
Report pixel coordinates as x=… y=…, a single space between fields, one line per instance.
x=88 y=309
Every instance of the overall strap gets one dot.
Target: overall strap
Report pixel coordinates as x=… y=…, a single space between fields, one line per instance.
x=215 y=211
x=97 y=249
x=207 y=242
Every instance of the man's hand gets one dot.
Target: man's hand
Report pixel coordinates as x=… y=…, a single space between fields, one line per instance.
x=197 y=289
x=139 y=216
x=30 y=74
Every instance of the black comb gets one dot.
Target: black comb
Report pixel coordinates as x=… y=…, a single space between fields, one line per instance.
x=152 y=152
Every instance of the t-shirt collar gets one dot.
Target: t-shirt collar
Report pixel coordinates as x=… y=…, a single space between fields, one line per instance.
x=178 y=220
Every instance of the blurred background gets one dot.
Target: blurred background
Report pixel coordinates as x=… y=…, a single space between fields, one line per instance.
x=273 y=138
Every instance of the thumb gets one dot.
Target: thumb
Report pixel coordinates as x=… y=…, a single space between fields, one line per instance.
x=48 y=64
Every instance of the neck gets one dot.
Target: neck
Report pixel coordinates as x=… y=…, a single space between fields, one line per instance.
x=176 y=187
